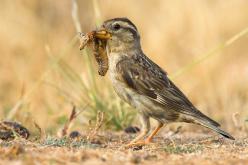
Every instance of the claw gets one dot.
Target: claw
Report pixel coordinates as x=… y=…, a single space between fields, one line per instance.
x=139 y=143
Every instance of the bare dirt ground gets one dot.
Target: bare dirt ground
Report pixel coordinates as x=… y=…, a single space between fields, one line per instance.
x=185 y=148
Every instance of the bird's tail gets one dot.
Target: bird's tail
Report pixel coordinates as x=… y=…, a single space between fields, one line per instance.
x=213 y=125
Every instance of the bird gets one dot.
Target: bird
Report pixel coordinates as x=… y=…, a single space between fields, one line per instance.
x=144 y=85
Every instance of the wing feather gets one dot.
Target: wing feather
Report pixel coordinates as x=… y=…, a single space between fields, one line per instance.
x=147 y=78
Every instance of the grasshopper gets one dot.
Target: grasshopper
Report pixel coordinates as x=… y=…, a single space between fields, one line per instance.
x=99 y=50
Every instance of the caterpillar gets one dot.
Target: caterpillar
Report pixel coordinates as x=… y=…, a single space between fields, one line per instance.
x=99 y=50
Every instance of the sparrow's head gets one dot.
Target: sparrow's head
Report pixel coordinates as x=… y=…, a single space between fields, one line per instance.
x=121 y=34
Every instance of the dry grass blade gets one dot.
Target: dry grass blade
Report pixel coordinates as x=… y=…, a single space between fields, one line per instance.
x=15 y=109
x=74 y=14
x=97 y=12
x=41 y=131
x=212 y=52
x=67 y=124
x=73 y=116
x=99 y=123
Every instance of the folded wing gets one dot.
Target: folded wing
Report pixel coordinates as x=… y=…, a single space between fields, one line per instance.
x=148 y=79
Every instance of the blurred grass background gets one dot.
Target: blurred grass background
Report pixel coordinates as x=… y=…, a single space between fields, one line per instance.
x=40 y=58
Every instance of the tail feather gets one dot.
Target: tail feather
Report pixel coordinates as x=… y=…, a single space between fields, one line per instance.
x=220 y=131
x=205 y=119
x=213 y=125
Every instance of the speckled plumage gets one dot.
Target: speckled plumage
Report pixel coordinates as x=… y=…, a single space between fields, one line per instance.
x=144 y=85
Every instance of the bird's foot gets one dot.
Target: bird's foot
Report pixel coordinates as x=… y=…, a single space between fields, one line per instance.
x=139 y=143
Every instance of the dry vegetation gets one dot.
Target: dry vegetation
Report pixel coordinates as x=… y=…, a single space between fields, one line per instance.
x=44 y=75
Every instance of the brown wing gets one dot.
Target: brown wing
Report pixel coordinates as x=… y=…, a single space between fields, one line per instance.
x=147 y=78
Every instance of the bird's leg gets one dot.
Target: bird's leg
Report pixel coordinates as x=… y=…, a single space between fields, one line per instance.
x=145 y=129
x=149 y=138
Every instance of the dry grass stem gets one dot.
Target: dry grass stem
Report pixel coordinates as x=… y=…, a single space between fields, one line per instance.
x=40 y=130
x=75 y=16
x=98 y=125
x=68 y=124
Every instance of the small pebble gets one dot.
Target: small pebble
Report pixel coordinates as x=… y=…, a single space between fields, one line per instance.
x=132 y=129
x=74 y=134
x=136 y=148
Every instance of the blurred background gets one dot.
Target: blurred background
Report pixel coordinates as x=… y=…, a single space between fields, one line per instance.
x=43 y=73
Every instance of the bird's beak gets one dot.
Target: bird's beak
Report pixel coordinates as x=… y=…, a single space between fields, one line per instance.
x=102 y=34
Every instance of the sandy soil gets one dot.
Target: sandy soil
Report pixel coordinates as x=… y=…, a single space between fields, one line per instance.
x=190 y=148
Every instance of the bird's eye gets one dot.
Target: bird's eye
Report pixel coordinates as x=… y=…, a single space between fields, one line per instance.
x=117 y=26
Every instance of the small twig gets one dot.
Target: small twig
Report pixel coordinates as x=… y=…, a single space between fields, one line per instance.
x=23 y=91
x=73 y=116
x=18 y=105
x=41 y=131
x=172 y=141
x=99 y=123
x=14 y=110
x=68 y=123
x=179 y=128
